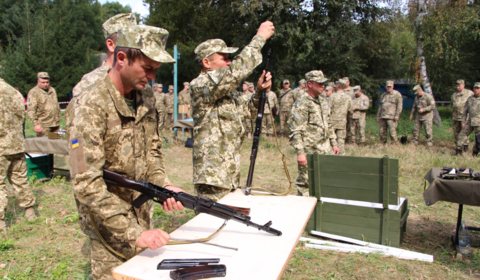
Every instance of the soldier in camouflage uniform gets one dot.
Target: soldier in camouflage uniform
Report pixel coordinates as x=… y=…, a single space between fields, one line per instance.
x=309 y=126
x=114 y=127
x=12 y=148
x=169 y=102
x=217 y=113
x=422 y=110
x=360 y=104
x=327 y=93
x=43 y=108
x=348 y=89
x=160 y=104
x=184 y=99
x=110 y=28
x=391 y=105
x=340 y=108
x=470 y=118
x=287 y=97
x=459 y=99
x=301 y=90
x=267 y=121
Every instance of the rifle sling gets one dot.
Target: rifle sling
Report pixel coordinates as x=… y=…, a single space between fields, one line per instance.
x=286 y=93
x=92 y=220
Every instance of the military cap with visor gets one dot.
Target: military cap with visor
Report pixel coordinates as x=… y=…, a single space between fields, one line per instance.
x=389 y=83
x=186 y=83
x=327 y=88
x=342 y=82
x=286 y=82
x=302 y=81
x=416 y=89
x=477 y=84
x=43 y=75
x=149 y=40
x=115 y=23
x=462 y=82
x=212 y=46
x=315 y=76
x=170 y=87
x=357 y=89
x=346 y=79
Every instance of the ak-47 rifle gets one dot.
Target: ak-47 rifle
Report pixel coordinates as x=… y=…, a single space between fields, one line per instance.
x=199 y=204
x=258 y=130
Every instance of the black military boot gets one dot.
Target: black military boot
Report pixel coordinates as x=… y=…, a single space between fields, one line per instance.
x=465 y=148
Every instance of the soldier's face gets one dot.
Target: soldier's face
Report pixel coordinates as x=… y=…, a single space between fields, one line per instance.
x=328 y=92
x=420 y=93
x=317 y=88
x=251 y=89
x=217 y=61
x=476 y=91
x=43 y=83
x=245 y=87
x=302 y=86
x=139 y=73
x=286 y=86
x=170 y=90
x=187 y=87
x=389 y=88
x=460 y=87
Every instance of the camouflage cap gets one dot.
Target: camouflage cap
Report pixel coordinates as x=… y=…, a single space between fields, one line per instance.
x=250 y=84
x=462 y=82
x=346 y=79
x=342 y=82
x=155 y=85
x=212 y=46
x=149 y=40
x=186 y=83
x=416 y=89
x=331 y=84
x=389 y=83
x=327 y=88
x=286 y=82
x=315 y=76
x=170 y=87
x=160 y=85
x=42 y=75
x=113 y=24
x=357 y=89
x=477 y=84
x=302 y=81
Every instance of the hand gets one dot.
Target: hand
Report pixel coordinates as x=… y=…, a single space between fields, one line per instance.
x=266 y=29
x=277 y=113
x=153 y=239
x=38 y=128
x=420 y=111
x=268 y=81
x=395 y=118
x=355 y=107
x=188 y=106
x=378 y=119
x=463 y=125
x=411 y=118
x=170 y=204
x=302 y=160
x=336 y=150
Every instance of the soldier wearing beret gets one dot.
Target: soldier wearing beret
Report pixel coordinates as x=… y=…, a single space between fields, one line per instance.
x=169 y=102
x=115 y=127
x=43 y=108
x=459 y=98
x=184 y=99
x=391 y=105
x=360 y=103
x=470 y=118
x=110 y=28
x=160 y=104
x=217 y=112
x=309 y=126
x=340 y=108
x=287 y=97
x=12 y=152
x=423 y=111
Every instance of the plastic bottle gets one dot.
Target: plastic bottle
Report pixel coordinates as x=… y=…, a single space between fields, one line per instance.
x=464 y=240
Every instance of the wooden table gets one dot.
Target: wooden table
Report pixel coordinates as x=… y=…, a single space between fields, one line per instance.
x=260 y=255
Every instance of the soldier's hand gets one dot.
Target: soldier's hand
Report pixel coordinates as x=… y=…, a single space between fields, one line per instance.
x=355 y=107
x=463 y=125
x=38 y=128
x=153 y=239
x=395 y=118
x=302 y=160
x=171 y=204
x=266 y=30
x=420 y=111
x=378 y=119
x=268 y=81
x=411 y=118
x=336 y=150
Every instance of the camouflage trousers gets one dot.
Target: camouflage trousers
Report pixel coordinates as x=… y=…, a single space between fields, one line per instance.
x=391 y=125
x=349 y=128
x=427 y=125
x=168 y=124
x=457 y=128
x=248 y=125
x=357 y=125
x=341 y=134
x=161 y=121
x=212 y=192
x=284 y=115
x=302 y=181
x=267 y=125
x=46 y=130
x=14 y=167
x=465 y=134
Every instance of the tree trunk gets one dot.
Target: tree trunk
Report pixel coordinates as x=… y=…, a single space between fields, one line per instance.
x=422 y=9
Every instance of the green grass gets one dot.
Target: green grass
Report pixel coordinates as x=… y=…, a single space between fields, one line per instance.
x=54 y=247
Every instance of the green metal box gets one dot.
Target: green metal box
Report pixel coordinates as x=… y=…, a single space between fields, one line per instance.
x=39 y=165
x=358 y=198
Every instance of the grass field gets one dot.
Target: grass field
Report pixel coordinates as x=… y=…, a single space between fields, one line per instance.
x=54 y=247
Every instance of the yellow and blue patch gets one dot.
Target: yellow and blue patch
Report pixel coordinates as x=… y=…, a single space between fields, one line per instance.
x=75 y=143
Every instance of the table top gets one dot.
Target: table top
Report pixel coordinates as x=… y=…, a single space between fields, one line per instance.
x=457 y=191
x=259 y=254
x=43 y=145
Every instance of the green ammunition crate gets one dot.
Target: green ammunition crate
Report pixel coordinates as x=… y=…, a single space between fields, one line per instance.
x=358 y=198
x=39 y=165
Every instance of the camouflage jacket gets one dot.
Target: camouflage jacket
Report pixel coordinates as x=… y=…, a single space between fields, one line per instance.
x=160 y=102
x=309 y=126
x=272 y=101
x=43 y=107
x=287 y=97
x=106 y=134
x=184 y=97
x=245 y=99
x=340 y=107
x=458 y=103
x=86 y=81
x=349 y=91
x=299 y=93
x=12 y=113
x=363 y=103
x=471 y=111
x=427 y=104
x=391 y=105
x=169 y=100
x=217 y=117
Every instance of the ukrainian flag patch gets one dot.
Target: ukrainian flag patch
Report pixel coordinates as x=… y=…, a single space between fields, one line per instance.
x=75 y=144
